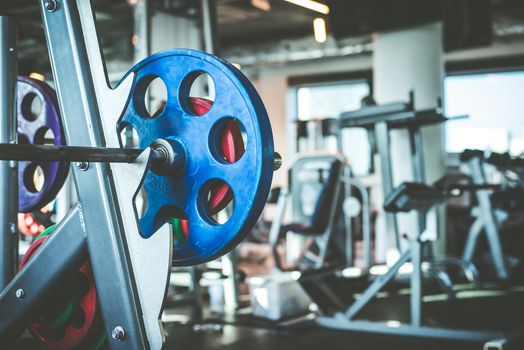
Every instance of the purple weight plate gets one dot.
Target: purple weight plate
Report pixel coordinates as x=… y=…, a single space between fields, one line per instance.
x=32 y=129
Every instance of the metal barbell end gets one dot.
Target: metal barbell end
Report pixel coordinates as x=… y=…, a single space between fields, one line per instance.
x=278 y=161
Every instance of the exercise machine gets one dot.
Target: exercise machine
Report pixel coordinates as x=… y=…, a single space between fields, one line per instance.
x=489 y=217
x=380 y=120
x=421 y=198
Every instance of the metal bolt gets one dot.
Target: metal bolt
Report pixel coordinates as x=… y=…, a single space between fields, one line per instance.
x=12 y=228
x=82 y=166
x=278 y=161
x=20 y=294
x=50 y=5
x=118 y=333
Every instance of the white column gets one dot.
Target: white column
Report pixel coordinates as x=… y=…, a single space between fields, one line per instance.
x=403 y=61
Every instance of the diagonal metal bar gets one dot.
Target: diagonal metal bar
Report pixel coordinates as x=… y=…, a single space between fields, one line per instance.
x=64 y=251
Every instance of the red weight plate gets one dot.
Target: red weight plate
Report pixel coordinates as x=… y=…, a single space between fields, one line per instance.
x=232 y=146
x=73 y=334
x=200 y=105
x=31 y=251
x=184 y=224
x=232 y=143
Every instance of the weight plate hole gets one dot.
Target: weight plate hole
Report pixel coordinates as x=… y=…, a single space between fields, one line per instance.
x=78 y=317
x=34 y=178
x=44 y=136
x=32 y=107
x=216 y=202
x=177 y=220
x=179 y=230
x=150 y=96
x=141 y=202
x=128 y=136
x=227 y=140
x=197 y=85
x=56 y=334
x=23 y=139
x=52 y=308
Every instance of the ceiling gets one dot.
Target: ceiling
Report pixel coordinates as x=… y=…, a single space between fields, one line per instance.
x=240 y=24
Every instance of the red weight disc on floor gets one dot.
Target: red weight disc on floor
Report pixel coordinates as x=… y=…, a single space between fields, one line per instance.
x=79 y=325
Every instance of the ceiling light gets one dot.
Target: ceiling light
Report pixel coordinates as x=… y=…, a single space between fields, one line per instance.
x=37 y=76
x=319 y=28
x=263 y=5
x=312 y=5
x=134 y=40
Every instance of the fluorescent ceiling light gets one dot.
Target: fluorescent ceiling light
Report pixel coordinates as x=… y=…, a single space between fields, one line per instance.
x=312 y=5
x=37 y=76
x=319 y=28
x=263 y=5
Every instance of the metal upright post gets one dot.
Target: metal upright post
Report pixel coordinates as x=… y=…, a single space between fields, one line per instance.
x=142 y=48
x=417 y=157
x=197 y=312
x=349 y=239
x=208 y=17
x=417 y=154
x=383 y=148
x=8 y=134
x=231 y=284
x=489 y=218
x=416 y=282
x=76 y=80
x=366 y=225
x=208 y=8
x=142 y=32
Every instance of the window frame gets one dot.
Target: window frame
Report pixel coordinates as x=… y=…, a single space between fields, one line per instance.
x=485 y=66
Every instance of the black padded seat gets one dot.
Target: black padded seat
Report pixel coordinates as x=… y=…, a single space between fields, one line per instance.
x=413 y=196
x=320 y=217
x=469 y=154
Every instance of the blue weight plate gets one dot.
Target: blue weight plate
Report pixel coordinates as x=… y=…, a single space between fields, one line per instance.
x=185 y=191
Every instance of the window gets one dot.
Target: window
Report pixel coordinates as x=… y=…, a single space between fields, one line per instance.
x=329 y=100
x=495 y=105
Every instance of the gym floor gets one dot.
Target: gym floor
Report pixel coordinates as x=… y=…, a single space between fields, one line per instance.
x=232 y=337
x=255 y=335
x=246 y=332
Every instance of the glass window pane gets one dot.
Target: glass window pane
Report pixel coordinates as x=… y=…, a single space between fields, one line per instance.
x=329 y=100
x=495 y=105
